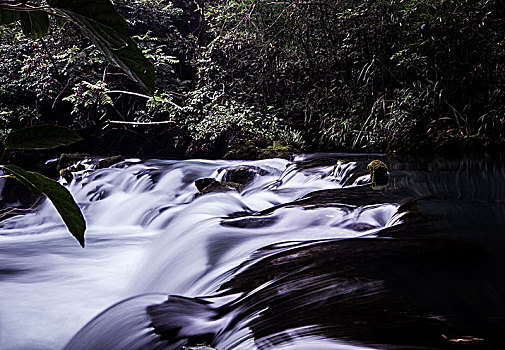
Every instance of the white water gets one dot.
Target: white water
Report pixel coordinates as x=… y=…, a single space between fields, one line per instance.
x=148 y=234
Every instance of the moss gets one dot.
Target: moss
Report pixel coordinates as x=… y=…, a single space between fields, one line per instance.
x=277 y=150
x=68 y=159
x=378 y=173
x=210 y=185
x=245 y=150
x=110 y=161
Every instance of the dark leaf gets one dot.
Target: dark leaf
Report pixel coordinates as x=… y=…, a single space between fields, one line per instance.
x=60 y=21
x=41 y=137
x=8 y=16
x=109 y=32
x=34 y=23
x=57 y=194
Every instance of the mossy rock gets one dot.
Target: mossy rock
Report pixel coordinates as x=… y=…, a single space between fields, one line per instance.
x=210 y=185
x=242 y=174
x=378 y=173
x=68 y=159
x=277 y=150
x=109 y=161
x=244 y=151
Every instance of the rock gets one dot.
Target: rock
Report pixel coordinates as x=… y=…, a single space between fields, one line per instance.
x=67 y=174
x=15 y=198
x=243 y=174
x=110 y=161
x=378 y=173
x=210 y=185
x=245 y=150
x=360 y=226
x=68 y=159
x=277 y=150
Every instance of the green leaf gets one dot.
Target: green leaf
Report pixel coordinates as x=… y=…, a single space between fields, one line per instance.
x=60 y=21
x=57 y=194
x=109 y=32
x=8 y=16
x=41 y=137
x=34 y=23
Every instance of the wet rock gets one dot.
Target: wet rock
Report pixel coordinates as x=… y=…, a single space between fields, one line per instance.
x=68 y=173
x=68 y=159
x=250 y=222
x=355 y=195
x=360 y=226
x=15 y=198
x=210 y=185
x=243 y=174
x=110 y=161
x=349 y=172
x=178 y=320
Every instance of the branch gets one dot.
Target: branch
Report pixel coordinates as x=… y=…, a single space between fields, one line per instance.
x=140 y=123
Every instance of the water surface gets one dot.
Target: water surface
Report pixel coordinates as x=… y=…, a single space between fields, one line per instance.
x=306 y=256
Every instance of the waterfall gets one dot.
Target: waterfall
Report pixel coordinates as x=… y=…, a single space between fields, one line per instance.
x=179 y=263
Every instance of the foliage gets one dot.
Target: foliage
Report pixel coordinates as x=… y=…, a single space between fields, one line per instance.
x=369 y=74
x=45 y=137
x=88 y=99
x=40 y=137
x=97 y=18
x=314 y=75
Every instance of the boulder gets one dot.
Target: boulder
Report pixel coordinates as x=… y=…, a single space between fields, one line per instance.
x=210 y=185
x=109 y=161
x=277 y=150
x=243 y=174
x=378 y=173
x=68 y=159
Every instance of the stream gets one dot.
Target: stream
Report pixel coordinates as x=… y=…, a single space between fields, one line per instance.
x=305 y=255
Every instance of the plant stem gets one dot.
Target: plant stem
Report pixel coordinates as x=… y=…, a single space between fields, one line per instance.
x=51 y=58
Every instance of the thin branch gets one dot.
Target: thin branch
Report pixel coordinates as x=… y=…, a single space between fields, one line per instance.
x=140 y=123
x=126 y=93
x=60 y=93
x=51 y=58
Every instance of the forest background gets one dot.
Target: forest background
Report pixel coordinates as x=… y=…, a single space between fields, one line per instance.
x=249 y=79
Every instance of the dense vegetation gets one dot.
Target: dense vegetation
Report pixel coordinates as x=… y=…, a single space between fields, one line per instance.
x=251 y=78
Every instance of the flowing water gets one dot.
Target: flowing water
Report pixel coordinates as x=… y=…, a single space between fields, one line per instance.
x=305 y=256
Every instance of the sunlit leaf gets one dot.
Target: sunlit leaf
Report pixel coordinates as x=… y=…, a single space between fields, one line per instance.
x=41 y=137
x=57 y=194
x=34 y=23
